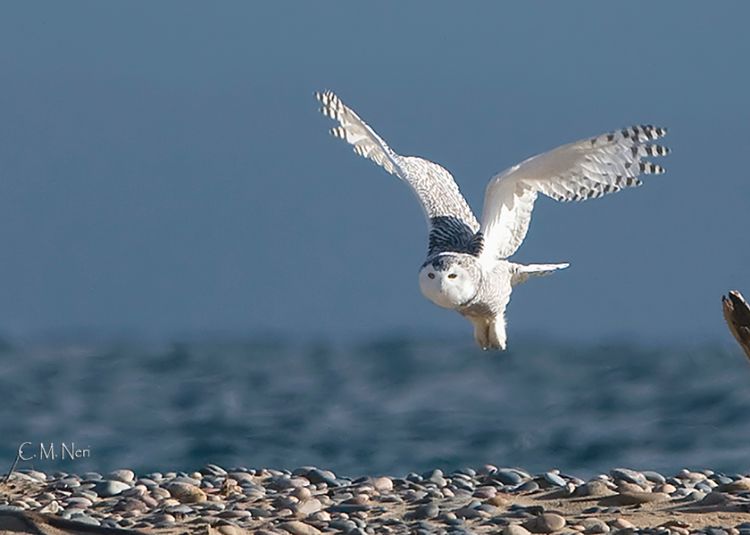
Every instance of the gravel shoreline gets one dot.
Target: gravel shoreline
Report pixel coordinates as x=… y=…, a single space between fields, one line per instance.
x=309 y=501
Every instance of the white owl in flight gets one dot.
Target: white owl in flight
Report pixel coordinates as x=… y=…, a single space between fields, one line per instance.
x=467 y=267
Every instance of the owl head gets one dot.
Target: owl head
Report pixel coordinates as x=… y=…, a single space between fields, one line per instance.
x=450 y=280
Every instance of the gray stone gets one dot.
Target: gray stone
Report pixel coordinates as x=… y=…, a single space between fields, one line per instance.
x=83 y=503
x=507 y=476
x=631 y=476
x=714 y=498
x=515 y=529
x=321 y=476
x=554 y=479
x=528 y=486
x=348 y=508
x=343 y=525
x=146 y=482
x=163 y=518
x=469 y=513
x=460 y=484
x=107 y=488
x=242 y=478
x=235 y=514
x=214 y=469
x=85 y=519
x=654 y=477
x=440 y=481
x=181 y=509
x=126 y=476
x=66 y=483
x=286 y=482
x=210 y=506
x=70 y=511
x=414 y=478
x=428 y=510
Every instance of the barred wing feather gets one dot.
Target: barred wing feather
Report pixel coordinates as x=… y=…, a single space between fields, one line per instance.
x=452 y=223
x=578 y=171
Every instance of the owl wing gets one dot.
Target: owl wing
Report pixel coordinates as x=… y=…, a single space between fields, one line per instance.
x=578 y=171
x=453 y=226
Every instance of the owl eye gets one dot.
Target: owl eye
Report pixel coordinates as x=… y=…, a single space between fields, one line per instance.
x=452 y=276
x=431 y=275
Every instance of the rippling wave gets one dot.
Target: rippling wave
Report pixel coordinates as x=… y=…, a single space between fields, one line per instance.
x=391 y=406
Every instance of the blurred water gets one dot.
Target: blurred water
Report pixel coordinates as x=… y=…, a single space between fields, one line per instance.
x=391 y=406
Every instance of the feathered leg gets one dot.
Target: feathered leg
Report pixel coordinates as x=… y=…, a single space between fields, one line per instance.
x=489 y=333
x=481 y=331
x=497 y=333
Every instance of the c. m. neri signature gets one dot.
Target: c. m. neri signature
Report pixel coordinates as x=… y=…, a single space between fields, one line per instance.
x=52 y=451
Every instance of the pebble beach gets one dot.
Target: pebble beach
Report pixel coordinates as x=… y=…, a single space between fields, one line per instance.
x=309 y=501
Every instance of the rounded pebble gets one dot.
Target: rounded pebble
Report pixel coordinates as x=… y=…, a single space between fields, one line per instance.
x=545 y=523
x=296 y=527
x=126 y=476
x=107 y=488
x=186 y=493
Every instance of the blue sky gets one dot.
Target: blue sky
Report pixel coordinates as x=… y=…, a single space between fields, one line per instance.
x=164 y=169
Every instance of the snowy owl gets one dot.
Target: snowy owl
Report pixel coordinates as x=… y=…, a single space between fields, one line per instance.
x=467 y=267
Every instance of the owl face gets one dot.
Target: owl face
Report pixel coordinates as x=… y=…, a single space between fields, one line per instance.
x=450 y=280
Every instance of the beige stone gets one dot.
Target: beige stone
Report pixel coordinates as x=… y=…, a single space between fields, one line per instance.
x=187 y=493
x=545 y=523
x=382 y=484
x=295 y=527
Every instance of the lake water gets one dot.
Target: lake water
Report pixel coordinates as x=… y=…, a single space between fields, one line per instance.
x=390 y=406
